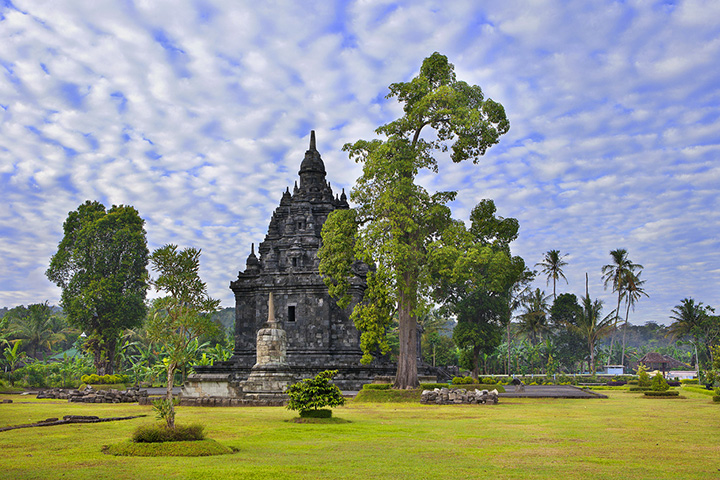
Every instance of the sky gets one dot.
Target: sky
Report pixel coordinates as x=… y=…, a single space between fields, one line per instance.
x=198 y=114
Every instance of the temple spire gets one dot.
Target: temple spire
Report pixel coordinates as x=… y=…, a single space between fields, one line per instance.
x=271 y=309
x=312 y=140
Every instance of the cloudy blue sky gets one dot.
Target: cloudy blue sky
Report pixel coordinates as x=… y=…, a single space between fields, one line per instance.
x=198 y=113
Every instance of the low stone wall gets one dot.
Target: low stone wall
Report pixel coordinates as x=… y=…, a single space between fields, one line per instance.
x=250 y=400
x=90 y=395
x=221 y=402
x=446 y=396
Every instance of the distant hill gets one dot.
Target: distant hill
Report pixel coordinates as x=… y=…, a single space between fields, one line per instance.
x=226 y=317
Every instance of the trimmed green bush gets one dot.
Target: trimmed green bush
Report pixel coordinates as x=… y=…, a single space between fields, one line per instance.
x=489 y=381
x=388 y=396
x=95 y=379
x=320 y=413
x=662 y=393
x=690 y=381
x=462 y=380
x=376 y=386
x=159 y=432
x=315 y=393
x=659 y=384
x=432 y=386
x=201 y=448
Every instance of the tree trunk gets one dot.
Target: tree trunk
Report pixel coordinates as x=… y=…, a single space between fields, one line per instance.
x=475 y=363
x=507 y=372
x=612 y=337
x=170 y=418
x=407 y=375
x=627 y=314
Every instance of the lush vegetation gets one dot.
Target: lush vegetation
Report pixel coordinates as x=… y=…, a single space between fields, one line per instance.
x=160 y=432
x=531 y=439
x=312 y=395
x=101 y=267
x=397 y=220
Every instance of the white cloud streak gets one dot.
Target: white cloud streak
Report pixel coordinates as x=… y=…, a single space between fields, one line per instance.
x=197 y=113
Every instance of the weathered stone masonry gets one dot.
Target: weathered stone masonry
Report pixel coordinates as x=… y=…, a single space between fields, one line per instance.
x=320 y=335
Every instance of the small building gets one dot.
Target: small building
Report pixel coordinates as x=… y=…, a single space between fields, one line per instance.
x=614 y=370
x=663 y=363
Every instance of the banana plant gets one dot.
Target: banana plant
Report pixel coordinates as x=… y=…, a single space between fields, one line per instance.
x=12 y=357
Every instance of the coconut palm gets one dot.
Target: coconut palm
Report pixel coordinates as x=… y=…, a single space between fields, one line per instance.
x=589 y=325
x=632 y=291
x=694 y=320
x=551 y=265
x=534 y=322
x=37 y=328
x=614 y=274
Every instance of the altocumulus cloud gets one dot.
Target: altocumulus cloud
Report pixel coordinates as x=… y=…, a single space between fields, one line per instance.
x=198 y=112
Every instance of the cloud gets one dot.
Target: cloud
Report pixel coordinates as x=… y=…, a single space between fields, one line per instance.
x=198 y=114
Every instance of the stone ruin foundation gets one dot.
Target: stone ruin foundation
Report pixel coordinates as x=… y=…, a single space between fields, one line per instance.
x=446 y=396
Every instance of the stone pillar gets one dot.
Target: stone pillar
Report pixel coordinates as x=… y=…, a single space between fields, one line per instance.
x=271 y=341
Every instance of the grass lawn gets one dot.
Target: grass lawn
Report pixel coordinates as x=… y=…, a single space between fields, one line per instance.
x=624 y=436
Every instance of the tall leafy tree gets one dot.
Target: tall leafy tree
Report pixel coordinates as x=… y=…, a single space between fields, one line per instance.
x=396 y=219
x=182 y=315
x=474 y=274
x=615 y=274
x=101 y=266
x=564 y=315
x=552 y=265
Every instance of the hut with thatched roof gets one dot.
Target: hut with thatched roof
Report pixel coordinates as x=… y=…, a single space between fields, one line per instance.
x=657 y=361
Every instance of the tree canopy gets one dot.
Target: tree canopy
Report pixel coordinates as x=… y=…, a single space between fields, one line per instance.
x=396 y=219
x=101 y=266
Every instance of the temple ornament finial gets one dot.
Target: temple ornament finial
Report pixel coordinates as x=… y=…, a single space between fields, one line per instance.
x=271 y=309
x=312 y=140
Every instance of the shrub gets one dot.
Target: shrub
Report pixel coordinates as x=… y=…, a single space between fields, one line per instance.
x=643 y=377
x=690 y=381
x=320 y=413
x=659 y=384
x=463 y=380
x=376 y=386
x=315 y=393
x=633 y=382
x=159 y=432
x=662 y=393
x=489 y=381
x=432 y=386
x=716 y=398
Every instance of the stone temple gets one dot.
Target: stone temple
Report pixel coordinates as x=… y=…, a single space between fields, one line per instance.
x=320 y=335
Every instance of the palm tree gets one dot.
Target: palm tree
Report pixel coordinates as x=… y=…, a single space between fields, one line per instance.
x=552 y=264
x=615 y=274
x=534 y=322
x=690 y=319
x=36 y=327
x=632 y=292
x=589 y=325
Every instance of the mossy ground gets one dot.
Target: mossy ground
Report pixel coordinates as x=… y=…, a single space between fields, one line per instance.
x=624 y=436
